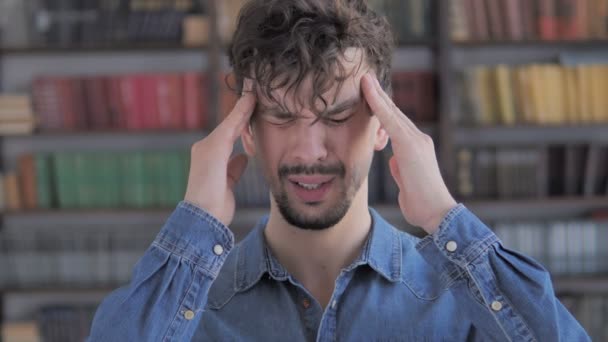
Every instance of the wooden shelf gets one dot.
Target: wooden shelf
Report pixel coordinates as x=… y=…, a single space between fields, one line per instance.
x=14 y=146
x=581 y=285
x=60 y=289
x=472 y=54
x=527 y=135
x=542 y=43
x=525 y=209
x=537 y=209
x=109 y=48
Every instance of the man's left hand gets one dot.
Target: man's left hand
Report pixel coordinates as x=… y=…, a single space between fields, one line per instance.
x=424 y=198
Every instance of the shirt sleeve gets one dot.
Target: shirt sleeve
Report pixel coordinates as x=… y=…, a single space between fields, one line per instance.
x=506 y=294
x=169 y=285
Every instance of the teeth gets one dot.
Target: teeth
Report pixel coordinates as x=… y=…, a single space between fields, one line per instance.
x=309 y=186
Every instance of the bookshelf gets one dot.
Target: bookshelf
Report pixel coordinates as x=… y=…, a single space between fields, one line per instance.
x=439 y=54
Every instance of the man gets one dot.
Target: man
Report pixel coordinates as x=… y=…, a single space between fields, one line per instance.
x=323 y=266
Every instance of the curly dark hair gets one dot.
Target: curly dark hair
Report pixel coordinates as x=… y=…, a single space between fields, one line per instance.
x=281 y=42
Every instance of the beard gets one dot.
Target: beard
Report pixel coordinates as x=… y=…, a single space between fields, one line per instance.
x=347 y=187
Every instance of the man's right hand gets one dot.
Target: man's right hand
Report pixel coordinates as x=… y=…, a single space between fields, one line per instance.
x=213 y=174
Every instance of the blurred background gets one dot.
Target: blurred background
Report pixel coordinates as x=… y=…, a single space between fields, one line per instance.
x=100 y=101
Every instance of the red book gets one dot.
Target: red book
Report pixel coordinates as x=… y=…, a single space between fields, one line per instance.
x=169 y=90
x=66 y=103
x=131 y=86
x=529 y=22
x=480 y=20
x=27 y=181
x=228 y=96
x=46 y=103
x=496 y=20
x=582 y=19
x=513 y=19
x=410 y=94
x=547 y=20
x=98 y=103
x=427 y=97
x=149 y=101
x=193 y=102
x=79 y=103
x=116 y=103
x=568 y=19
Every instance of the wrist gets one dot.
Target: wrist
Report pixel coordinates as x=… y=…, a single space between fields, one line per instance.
x=435 y=222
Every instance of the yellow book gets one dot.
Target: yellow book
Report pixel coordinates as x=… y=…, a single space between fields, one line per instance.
x=603 y=117
x=21 y=332
x=583 y=94
x=12 y=196
x=555 y=84
x=485 y=89
x=572 y=106
x=597 y=92
x=524 y=86
x=538 y=94
x=504 y=98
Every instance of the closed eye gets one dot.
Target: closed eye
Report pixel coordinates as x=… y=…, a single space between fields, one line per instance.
x=338 y=121
x=280 y=119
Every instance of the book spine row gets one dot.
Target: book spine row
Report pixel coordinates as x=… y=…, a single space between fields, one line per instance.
x=531 y=20
x=573 y=170
x=72 y=23
x=176 y=101
x=538 y=94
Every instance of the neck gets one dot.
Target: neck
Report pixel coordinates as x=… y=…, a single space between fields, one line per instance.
x=316 y=257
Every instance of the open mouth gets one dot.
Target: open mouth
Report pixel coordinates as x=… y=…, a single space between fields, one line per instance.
x=311 y=190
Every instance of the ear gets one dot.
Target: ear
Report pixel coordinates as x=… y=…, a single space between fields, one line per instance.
x=381 y=138
x=248 y=140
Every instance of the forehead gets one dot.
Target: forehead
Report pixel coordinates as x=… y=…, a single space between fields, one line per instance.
x=292 y=99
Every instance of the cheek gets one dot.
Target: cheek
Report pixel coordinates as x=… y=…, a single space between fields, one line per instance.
x=268 y=150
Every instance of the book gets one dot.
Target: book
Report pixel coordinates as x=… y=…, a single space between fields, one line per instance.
x=142 y=101
x=27 y=180
x=13 y=200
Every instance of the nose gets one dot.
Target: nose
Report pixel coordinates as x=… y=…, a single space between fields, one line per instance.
x=308 y=143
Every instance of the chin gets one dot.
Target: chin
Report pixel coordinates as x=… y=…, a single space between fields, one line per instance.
x=312 y=216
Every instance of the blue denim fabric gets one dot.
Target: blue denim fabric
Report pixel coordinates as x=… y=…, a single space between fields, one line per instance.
x=459 y=284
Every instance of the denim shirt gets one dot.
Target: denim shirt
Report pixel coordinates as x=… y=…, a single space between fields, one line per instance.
x=459 y=284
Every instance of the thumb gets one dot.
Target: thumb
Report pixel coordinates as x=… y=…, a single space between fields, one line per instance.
x=394 y=167
x=236 y=167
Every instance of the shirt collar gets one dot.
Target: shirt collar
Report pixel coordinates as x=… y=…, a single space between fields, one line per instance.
x=382 y=251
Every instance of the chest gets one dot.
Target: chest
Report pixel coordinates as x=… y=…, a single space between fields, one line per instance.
x=370 y=311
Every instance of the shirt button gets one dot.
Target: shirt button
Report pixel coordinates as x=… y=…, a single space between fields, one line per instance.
x=218 y=249
x=306 y=303
x=496 y=305
x=189 y=315
x=451 y=246
x=334 y=304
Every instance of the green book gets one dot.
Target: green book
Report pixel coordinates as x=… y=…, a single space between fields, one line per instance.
x=127 y=179
x=139 y=179
x=64 y=176
x=151 y=179
x=83 y=180
x=114 y=177
x=164 y=180
x=174 y=179
x=44 y=181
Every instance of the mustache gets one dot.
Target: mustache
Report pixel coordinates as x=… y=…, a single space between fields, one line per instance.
x=333 y=169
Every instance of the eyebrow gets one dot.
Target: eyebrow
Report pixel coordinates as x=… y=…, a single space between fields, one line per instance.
x=276 y=111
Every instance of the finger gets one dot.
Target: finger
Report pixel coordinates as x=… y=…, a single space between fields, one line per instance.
x=378 y=106
x=394 y=168
x=236 y=167
x=409 y=123
x=239 y=117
